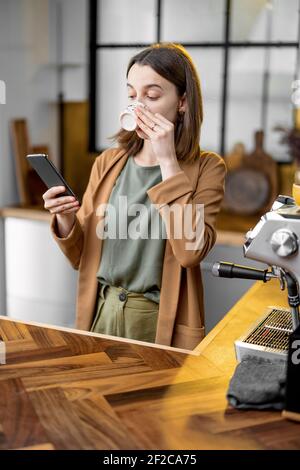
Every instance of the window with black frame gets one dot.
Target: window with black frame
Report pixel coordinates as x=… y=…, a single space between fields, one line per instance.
x=246 y=53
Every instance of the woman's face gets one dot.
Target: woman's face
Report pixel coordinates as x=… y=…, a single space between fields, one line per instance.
x=154 y=91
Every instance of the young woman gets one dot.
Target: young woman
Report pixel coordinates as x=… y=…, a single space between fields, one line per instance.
x=144 y=288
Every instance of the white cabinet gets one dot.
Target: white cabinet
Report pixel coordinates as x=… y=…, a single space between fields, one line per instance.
x=40 y=282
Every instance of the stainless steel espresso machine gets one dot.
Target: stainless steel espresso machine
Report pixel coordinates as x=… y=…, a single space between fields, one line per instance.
x=274 y=241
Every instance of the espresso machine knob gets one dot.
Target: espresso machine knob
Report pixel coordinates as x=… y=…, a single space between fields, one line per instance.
x=284 y=242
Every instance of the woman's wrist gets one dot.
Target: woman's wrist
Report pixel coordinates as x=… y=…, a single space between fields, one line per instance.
x=65 y=224
x=169 y=168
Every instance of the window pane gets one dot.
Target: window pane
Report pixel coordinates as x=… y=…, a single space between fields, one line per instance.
x=244 y=110
x=112 y=91
x=192 y=20
x=245 y=85
x=280 y=107
x=249 y=20
x=209 y=65
x=285 y=20
x=126 y=21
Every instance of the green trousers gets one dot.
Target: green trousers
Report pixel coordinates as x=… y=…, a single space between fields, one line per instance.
x=125 y=314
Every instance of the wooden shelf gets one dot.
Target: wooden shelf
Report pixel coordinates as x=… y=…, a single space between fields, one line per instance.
x=28 y=212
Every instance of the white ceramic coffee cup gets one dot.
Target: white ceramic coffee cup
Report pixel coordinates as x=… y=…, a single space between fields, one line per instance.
x=128 y=117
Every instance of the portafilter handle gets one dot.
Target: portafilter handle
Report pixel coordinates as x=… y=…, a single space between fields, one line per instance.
x=293 y=298
x=231 y=270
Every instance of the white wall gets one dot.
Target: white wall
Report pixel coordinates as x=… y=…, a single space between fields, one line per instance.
x=30 y=81
x=74 y=52
x=29 y=54
x=31 y=46
x=30 y=92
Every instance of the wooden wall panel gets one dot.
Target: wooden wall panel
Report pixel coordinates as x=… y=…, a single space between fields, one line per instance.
x=77 y=161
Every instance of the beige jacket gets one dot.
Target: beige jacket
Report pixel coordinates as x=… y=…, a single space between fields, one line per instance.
x=181 y=308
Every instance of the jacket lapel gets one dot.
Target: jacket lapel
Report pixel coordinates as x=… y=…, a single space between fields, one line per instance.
x=171 y=279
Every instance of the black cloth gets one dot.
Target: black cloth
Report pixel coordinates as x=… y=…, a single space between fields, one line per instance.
x=258 y=383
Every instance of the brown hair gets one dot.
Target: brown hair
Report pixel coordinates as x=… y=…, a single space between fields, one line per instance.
x=173 y=63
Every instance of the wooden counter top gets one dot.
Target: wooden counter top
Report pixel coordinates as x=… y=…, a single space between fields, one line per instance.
x=225 y=236
x=30 y=213
x=65 y=390
x=231 y=228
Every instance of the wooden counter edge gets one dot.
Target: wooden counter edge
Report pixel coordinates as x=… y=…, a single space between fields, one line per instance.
x=227 y=317
x=196 y=352
x=291 y=415
x=98 y=335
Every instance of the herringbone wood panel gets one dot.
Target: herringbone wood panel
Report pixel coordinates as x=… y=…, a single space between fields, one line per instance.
x=62 y=390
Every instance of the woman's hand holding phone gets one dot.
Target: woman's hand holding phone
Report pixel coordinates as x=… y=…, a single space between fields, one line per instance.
x=65 y=208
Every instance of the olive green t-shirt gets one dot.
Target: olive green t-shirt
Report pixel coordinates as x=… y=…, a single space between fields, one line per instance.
x=133 y=250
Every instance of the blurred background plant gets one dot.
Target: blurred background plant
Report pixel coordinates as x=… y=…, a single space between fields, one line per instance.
x=291 y=138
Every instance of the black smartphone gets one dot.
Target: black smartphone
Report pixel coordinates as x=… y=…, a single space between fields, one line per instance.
x=49 y=173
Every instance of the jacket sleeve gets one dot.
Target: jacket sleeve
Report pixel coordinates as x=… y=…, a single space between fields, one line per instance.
x=188 y=246
x=72 y=245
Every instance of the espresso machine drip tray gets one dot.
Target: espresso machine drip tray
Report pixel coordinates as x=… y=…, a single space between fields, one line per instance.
x=269 y=337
